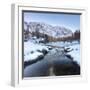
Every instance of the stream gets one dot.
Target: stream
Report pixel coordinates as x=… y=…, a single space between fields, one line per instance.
x=45 y=66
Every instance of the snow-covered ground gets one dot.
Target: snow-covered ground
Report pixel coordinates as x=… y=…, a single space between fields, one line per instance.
x=63 y=44
x=31 y=50
x=32 y=56
x=75 y=53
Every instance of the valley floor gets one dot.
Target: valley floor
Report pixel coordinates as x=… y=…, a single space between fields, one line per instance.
x=51 y=59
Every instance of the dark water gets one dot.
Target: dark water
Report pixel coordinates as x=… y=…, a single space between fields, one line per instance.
x=42 y=68
x=38 y=69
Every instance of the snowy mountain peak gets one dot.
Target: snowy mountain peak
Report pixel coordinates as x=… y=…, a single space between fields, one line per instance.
x=53 y=31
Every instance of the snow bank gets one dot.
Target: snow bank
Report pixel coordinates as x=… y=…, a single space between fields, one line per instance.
x=31 y=50
x=56 y=43
x=62 y=44
x=32 y=56
x=75 y=53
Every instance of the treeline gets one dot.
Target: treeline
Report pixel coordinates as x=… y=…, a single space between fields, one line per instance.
x=47 y=38
x=74 y=36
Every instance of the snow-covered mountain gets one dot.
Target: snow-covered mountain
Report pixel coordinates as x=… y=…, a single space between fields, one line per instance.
x=54 y=31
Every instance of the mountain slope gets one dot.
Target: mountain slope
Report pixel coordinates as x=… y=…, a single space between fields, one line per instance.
x=53 y=31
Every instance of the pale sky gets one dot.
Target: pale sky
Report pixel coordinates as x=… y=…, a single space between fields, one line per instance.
x=71 y=21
